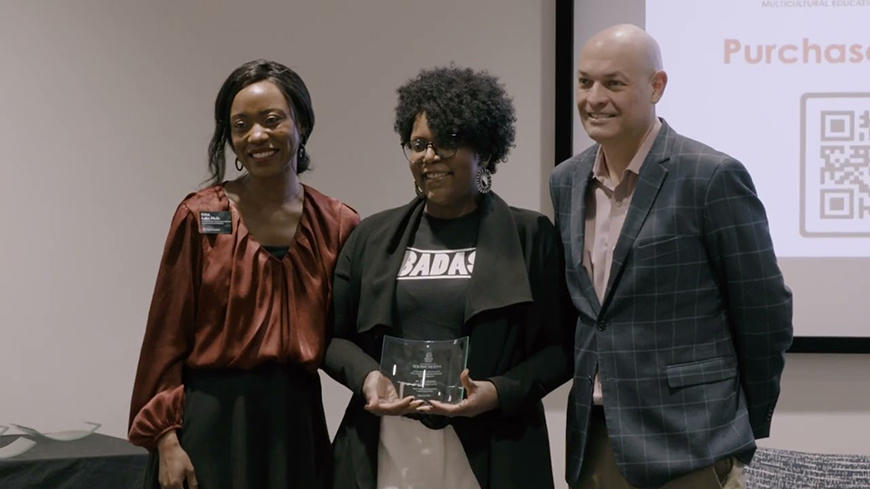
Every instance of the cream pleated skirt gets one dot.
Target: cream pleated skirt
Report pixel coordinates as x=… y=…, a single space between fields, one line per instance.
x=412 y=456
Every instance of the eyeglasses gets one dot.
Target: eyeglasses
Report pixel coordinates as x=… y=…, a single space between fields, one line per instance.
x=416 y=148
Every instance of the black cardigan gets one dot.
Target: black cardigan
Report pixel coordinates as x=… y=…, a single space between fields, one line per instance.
x=519 y=339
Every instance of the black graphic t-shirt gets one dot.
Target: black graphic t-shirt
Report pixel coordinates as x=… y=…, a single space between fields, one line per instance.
x=433 y=280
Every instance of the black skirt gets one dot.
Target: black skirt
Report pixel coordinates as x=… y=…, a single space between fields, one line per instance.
x=261 y=428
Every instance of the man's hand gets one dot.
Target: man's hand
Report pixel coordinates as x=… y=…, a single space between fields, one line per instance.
x=382 y=399
x=482 y=397
x=175 y=465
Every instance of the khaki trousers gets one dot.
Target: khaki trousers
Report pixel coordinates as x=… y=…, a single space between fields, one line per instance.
x=599 y=469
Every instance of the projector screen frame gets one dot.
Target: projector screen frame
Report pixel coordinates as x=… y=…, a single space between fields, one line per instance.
x=563 y=146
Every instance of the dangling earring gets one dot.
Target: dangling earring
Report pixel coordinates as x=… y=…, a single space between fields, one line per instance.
x=418 y=190
x=300 y=153
x=238 y=164
x=483 y=180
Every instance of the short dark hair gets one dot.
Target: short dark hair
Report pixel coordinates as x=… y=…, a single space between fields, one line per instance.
x=290 y=84
x=471 y=103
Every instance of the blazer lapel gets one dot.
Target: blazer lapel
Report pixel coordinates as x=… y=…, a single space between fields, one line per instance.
x=500 y=278
x=649 y=182
x=579 y=190
x=379 y=285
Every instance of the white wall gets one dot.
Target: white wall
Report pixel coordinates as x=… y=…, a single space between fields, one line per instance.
x=824 y=405
x=106 y=114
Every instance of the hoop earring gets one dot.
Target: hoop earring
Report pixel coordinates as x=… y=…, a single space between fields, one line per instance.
x=418 y=190
x=483 y=180
x=239 y=164
x=301 y=153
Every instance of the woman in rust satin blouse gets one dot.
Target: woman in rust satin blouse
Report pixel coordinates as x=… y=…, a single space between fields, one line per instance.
x=226 y=392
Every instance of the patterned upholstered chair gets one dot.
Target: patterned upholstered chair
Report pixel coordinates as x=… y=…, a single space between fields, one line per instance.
x=785 y=469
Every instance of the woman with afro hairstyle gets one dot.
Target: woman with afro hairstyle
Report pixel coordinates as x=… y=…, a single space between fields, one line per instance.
x=454 y=262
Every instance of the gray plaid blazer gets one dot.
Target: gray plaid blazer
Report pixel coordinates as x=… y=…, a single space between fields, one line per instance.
x=690 y=337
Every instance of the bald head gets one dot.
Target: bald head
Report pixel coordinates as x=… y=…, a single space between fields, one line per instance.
x=628 y=42
x=619 y=81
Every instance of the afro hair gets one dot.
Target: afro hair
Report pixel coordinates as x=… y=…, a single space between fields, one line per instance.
x=472 y=104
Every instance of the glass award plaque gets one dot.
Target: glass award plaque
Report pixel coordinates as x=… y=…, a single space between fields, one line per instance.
x=425 y=369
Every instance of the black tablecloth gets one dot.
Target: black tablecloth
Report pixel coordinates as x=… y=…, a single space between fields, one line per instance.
x=95 y=462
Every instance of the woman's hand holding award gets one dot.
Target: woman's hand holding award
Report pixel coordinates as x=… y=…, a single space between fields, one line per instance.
x=427 y=370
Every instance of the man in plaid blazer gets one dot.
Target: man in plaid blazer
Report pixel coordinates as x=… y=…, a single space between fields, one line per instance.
x=684 y=318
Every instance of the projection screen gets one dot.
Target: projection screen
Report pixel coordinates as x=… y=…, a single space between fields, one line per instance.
x=784 y=87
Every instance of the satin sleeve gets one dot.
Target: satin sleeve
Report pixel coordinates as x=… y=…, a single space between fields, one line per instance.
x=157 y=404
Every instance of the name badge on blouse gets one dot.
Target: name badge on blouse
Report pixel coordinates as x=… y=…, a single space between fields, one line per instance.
x=216 y=222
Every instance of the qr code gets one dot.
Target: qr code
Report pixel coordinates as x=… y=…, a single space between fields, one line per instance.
x=835 y=164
